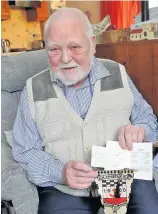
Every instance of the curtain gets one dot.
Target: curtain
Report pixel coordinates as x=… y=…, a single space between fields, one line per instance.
x=122 y=13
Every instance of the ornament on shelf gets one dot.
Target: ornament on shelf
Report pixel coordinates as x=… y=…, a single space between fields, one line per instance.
x=145 y=30
x=99 y=29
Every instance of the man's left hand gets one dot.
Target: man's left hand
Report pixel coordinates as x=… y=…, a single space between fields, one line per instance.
x=130 y=134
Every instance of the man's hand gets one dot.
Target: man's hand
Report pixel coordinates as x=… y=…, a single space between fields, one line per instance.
x=79 y=175
x=129 y=134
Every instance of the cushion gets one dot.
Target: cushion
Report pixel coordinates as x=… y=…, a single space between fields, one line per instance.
x=9 y=106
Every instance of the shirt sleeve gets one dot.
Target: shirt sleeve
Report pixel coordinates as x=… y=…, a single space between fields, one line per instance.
x=41 y=167
x=142 y=114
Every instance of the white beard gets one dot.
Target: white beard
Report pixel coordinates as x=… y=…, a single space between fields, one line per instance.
x=72 y=80
x=69 y=80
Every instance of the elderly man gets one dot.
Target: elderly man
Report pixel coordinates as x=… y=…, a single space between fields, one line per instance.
x=79 y=102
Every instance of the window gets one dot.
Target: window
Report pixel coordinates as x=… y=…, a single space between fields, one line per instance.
x=153 y=3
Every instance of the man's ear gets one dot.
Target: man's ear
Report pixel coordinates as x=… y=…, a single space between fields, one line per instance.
x=94 y=43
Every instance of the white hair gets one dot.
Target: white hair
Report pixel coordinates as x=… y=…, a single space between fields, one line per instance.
x=72 y=13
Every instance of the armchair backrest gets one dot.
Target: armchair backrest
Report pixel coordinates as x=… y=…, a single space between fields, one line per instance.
x=16 y=69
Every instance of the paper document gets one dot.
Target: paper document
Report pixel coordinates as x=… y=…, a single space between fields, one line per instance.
x=112 y=157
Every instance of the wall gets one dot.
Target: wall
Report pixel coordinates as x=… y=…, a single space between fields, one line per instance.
x=19 y=31
x=57 y=4
x=92 y=6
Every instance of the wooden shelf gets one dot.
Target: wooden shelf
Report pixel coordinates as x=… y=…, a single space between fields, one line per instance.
x=129 y=42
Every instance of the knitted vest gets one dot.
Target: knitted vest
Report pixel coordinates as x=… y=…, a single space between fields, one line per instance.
x=64 y=133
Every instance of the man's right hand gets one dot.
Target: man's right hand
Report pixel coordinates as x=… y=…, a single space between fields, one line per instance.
x=79 y=175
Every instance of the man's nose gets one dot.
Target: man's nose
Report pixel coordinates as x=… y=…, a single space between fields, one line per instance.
x=66 y=56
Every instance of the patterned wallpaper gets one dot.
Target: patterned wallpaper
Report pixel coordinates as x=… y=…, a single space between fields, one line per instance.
x=18 y=31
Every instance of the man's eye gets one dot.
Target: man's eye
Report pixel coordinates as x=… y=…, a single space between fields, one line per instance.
x=54 y=49
x=75 y=47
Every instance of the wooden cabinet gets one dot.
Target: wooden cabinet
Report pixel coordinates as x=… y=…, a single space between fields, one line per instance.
x=5 y=10
x=39 y=14
x=155 y=76
x=141 y=61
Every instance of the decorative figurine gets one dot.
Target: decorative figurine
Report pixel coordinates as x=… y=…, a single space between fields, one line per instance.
x=144 y=31
x=100 y=28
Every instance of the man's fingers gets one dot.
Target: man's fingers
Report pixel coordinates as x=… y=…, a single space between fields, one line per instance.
x=121 y=138
x=141 y=135
x=128 y=138
x=81 y=166
x=135 y=136
x=91 y=174
x=79 y=175
x=83 y=180
x=130 y=134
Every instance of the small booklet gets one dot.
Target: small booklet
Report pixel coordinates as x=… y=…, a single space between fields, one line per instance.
x=112 y=157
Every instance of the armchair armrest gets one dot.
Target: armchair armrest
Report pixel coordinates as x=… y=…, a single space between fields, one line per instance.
x=15 y=185
x=155 y=173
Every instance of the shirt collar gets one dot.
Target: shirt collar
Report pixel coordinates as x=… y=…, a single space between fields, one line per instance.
x=98 y=71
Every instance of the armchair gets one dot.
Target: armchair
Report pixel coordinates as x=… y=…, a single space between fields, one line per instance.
x=16 y=69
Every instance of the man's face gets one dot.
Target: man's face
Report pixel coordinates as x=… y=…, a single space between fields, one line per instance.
x=70 y=51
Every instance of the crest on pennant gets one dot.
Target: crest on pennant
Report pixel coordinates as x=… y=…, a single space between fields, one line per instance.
x=114 y=187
